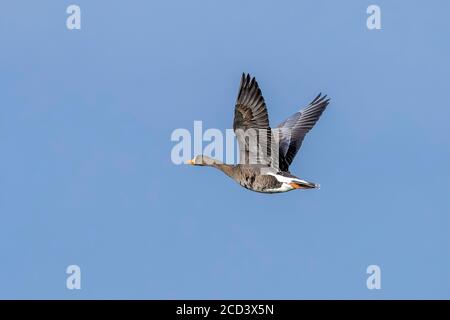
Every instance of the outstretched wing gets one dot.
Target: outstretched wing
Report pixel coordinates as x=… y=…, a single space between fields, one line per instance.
x=251 y=123
x=292 y=131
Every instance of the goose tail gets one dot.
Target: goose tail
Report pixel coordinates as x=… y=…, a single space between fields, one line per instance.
x=303 y=184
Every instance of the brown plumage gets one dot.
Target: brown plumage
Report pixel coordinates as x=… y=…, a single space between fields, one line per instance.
x=266 y=153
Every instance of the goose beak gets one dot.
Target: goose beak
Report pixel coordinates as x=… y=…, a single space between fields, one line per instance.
x=190 y=162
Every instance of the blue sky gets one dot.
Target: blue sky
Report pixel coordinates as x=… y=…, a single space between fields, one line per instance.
x=86 y=176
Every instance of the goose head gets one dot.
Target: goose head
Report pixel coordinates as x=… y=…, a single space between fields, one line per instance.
x=202 y=160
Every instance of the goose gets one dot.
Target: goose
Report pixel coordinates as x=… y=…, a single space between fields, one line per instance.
x=266 y=172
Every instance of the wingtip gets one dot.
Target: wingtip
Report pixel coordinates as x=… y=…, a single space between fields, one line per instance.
x=247 y=80
x=317 y=98
x=321 y=99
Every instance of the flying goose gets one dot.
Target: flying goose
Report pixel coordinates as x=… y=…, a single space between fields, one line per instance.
x=261 y=168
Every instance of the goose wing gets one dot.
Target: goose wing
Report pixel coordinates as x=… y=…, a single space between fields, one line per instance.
x=251 y=123
x=293 y=130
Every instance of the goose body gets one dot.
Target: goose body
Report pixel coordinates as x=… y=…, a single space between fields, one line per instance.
x=261 y=168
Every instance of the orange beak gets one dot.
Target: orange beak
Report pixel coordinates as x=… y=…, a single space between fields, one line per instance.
x=190 y=162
